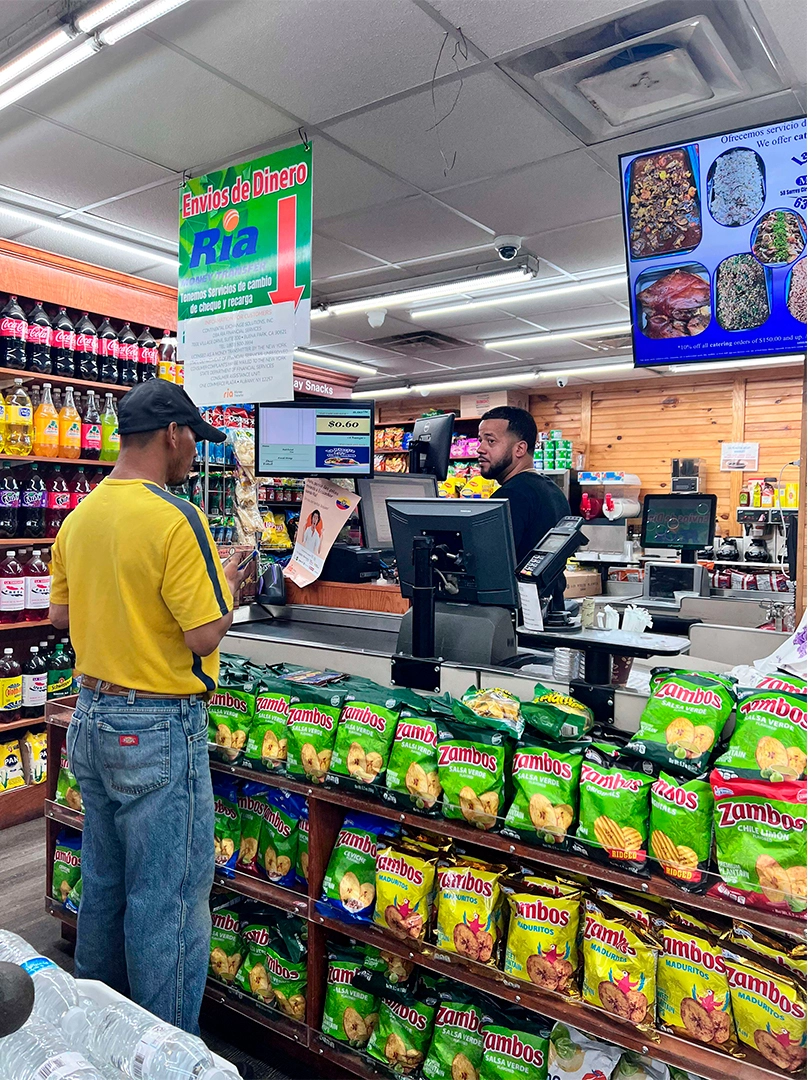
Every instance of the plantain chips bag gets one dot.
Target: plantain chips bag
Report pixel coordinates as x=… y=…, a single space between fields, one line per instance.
x=545 y=779
x=252 y=976
x=412 y=771
x=471 y=771
x=302 y=862
x=225 y=940
x=67 y=788
x=367 y=726
x=277 y=845
x=556 y=715
x=620 y=962
x=769 y=740
x=349 y=885
x=231 y=708
x=542 y=945
x=683 y=720
x=286 y=966
x=632 y=1066
x=576 y=1056
x=252 y=802
x=394 y=969
x=456 y=1050
x=66 y=865
x=267 y=743
x=401 y=1038
x=681 y=830
x=693 y=999
x=311 y=731
x=783 y=680
x=350 y=1013
x=73 y=901
x=405 y=878
x=495 y=704
x=469 y=899
x=227 y=824
x=760 y=829
x=790 y=955
x=613 y=825
x=516 y=1045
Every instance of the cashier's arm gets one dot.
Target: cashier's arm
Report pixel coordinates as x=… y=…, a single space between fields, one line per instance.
x=59 y=616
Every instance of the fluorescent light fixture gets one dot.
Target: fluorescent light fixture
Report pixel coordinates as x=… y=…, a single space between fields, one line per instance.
x=320 y=360
x=428 y=292
x=396 y=391
x=516 y=298
x=735 y=365
x=32 y=56
x=591 y=369
x=101 y=14
x=137 y=20
x=48 y=72
x=559 y=335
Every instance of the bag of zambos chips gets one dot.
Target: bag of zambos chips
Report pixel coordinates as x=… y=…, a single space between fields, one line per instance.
x=456 y=1050
x=546 y=779
x=11 y=773
x=227 y=824
x=683 y=720
x=225 y=940
x=286 y=966
x=367 y=726
x=782 y=680
x=768 y=1005
x=692 y=990
x=311 y=731
x=495 y=704
x=469 y=899
x=516 y=1045
x=760 y=843
x=412 y=771
x=614 y=812
x=67 y=788
x=256 y=928
x=633 y=1066
x=66 y=865
x=267 y=743
x=405 y=878
x=769 y=740
x=401 y=1038
x=542 y=945
x=620 y=961
x=575 y=1056
x=394 y=969
x=302 y=861
x=790 y=955
x=471 y=771
x=557 y=715
x=349 y=886
x=231 y=708
x=681 y=830
x=74 y=898
x=350 y=1014
x=252 y=802
x=277 y=845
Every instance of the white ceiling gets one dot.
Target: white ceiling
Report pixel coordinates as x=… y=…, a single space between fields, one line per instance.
x=396 y=194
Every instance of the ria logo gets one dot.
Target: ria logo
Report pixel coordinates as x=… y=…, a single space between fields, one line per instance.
x=213 y=246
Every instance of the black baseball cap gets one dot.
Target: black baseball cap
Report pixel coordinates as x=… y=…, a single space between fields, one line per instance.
x=155 y=404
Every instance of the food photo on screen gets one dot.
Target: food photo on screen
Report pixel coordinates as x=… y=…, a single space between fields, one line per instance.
x=736 y=186
x=674 y=303
x=795 y=291
x=779 y=237
x=742 y=293
x=664 y=205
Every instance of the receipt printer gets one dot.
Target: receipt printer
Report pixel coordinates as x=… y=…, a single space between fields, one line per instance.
x=347 y=562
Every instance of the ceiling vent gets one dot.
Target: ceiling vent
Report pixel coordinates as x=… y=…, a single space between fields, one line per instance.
x=422 y=342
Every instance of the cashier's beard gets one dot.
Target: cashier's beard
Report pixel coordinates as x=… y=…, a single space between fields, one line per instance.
x=492 y=468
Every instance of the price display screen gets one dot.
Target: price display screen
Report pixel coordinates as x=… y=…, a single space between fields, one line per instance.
x=312 y=438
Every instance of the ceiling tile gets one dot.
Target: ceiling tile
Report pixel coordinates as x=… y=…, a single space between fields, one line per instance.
x=14 y=14
x=491 y=128
x=594 y=315
x=342 y=183
x=787 y=18
x=361 y=352
x=164 y=274
x=330 y=257
x=357 y=328
x=155 y=211
x=578 y=248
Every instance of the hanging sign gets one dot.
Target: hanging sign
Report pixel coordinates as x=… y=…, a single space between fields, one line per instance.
x=245 y=277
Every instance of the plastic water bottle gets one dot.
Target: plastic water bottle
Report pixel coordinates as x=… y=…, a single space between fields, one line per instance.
x=56 y=993
x=35 y=1051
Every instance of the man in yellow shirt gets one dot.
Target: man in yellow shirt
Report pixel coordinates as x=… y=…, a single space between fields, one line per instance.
x=138 y=579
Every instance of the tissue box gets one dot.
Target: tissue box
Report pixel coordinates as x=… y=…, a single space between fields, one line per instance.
x=582 y=583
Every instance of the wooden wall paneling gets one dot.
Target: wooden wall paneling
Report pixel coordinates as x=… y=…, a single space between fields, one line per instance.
x=586 y=423
x=559 y=409
x=774 y=419
x=736 y=479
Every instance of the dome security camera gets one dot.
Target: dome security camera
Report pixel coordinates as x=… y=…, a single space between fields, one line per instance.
x=376 y=317
x=507 y=247
x=562 y=380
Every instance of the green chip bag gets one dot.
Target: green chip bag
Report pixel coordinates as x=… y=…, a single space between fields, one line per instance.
x=574 y=1055
x=67 y=788
x=286 y=967
x=402 y=1037
x=471 y=770
x=349 y=885
x=252 y=977
x=681 y=830
x=545 y=783
x=312 y=730
x=66 y=865
x=225 y=941
x=226 y=824
x=516 y=1045
x=267 y=744
x=494 y=709
x=412 y=771
x=683 y=720
x=74 y=898
x=277 y=845
x=367 y=726
x=302 y=861
x=252 y=802
x=350 y=1014
x=231 y=708
x=769 y=740
x=557 y=715
x=456 y=1049
x=614 y=811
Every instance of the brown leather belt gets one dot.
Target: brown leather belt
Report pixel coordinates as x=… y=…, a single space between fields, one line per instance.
x=92 y=683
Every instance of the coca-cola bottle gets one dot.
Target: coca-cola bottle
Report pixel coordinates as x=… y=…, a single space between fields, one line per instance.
x=79 y=488
x=58 y=501
x=85 y=360
x=39 y=340
x=91 y=429
x=9 y=504
x=147 y=356
x=37 y=588
x=127 y=356
x=108 y=351
x=13 y=331
x=33 y=503
x=64 y=344
x=12 y=589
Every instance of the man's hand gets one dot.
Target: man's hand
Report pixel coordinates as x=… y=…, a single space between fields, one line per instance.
x=235 y=577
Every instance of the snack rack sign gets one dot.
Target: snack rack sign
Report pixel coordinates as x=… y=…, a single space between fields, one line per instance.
x=715 y=234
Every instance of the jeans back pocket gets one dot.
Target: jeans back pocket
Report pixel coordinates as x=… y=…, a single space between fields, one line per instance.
x=136 y=758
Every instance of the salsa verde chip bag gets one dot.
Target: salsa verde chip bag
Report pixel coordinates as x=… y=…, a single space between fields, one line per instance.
x=683 y=720
x=401 y=1038
x=516 y=1045
x=557 y=715
x=277 y=848
x=367 y=726
x=225 y=940
x=227 y=824
x=614 y=811
x=66 y=865
x=67 y=787
x=349 y=885
x=412 y=770
x=302 y=862
x=620 y=964
x=545 y=780
x=312 y=730
x=252 y=802
x=286 y=967
x=576 y=1056
x=231 y=708
x=782 y=680
x=456 y=1049
x=252 y=976
x=681 y=830
x=350 y=1013
x=471 y=771
x=267 y=744
x=769 y=740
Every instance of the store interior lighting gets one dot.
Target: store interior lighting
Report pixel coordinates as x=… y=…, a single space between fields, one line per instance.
x=540 y=293
x=89 y=47
x=504 y=344
x=97 y=16
x=33 y=56
x=137 y=20
x=338 y=364
x=736 y=365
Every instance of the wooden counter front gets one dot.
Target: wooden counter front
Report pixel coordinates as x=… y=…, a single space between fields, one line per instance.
x=343 y=594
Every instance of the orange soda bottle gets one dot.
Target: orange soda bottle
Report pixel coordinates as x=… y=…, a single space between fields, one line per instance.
x=69 y=427
x=46 y=426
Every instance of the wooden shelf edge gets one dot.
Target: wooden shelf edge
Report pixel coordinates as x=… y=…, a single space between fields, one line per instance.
x=61 y=380
x=353 y=1062
x=23 y=625
x=26 y=541
x=23 y=459
x=266 y=892
x=295 y=1030
x=73 y=818
x=19 y=725
x=21 y=804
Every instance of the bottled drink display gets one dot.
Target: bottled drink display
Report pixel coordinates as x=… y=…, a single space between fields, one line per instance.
x=127 y=356
x=34 y=685
x=110 y=439
x=13 y=331
x=19 y=422
x=35 y=394
x=56 y=991
x=147 y=356
x=9 y=505
x=69 y=427
x=166 y=368
x=37 y=588
x=36 y=1051
x=46 y=426
x=38 y=340
x=85 y=358
x=2 y=423
x=58 y=501
x=12 y=589
x=64 y=345
x=79 y=488
x=107 y=352
x=91 y=429
x=60 y=673
x=10 y=688
x=33 y=504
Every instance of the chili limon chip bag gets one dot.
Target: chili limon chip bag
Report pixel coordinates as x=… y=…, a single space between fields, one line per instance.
x=693 y=998
x=405 y=880
x=350 y=1013
x=267 y=743
x=545 y=779
x=614 y=812
x=471 y=771
x=620 y=962
x=312 y=730
x=769 y=740
x=468 y=902
x=456 y=1049
x=681 y=830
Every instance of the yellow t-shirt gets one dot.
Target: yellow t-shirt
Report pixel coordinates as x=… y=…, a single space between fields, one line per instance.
x=138 y=567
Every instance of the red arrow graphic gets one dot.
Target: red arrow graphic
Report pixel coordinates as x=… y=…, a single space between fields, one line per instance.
x=287 y=253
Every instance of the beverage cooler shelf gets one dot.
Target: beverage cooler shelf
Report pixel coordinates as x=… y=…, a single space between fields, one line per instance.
x=22 y=625
x=15 y=460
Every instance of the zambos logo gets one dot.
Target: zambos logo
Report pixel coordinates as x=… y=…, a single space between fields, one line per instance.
x=212 y=246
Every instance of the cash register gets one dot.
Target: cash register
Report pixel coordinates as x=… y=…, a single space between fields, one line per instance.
x=542 y=566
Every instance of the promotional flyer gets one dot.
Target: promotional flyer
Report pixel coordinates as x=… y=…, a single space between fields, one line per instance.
x=325 y=509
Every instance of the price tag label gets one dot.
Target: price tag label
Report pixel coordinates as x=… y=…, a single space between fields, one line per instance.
x=343 y=425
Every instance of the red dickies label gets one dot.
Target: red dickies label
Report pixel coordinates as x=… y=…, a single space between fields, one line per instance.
x=129 y=740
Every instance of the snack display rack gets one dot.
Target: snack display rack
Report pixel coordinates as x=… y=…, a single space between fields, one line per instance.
x=326 y=809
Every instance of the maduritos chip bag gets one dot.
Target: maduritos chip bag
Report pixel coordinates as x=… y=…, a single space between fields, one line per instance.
x=267 y=744
x=405 y=877
x=613 y=813
x=312 y=730
x=468 y=904
x=542 y=945
x=350 y=1013
x=693 y=999
x=681 y=830
x=620 y=962
x=545 y=780
x=471 y=770
x=769 y=740
x=456 y=1049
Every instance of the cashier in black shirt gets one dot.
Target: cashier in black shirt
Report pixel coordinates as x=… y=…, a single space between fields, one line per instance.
x=507 y=441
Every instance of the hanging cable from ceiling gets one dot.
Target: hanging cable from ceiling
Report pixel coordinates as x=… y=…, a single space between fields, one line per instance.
x=460 y=51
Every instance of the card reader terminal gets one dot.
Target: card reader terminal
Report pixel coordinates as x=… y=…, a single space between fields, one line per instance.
x=548 y=558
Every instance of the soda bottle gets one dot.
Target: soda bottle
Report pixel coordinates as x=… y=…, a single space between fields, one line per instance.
x=85 y=359
x=46 y=426
x=37 y=588
x=110 y=439
x=57 y=399
x=38 y=340
x=33 y=503
x=60 y=673
x=12 y=589
x=2 y=424
x=69 y=428
x=13 y=331
x=94 y=478
x=91 y=429
x=35 y=394
x=9 y=505
x=19 y=422
x=58 y=501
x=79 y=488
x=70 y=652
x=147 y=356
x=108 y=352
x=64 y=345
x=34 y=685
x=10 y=688
x=127 y=356
x=165 y=362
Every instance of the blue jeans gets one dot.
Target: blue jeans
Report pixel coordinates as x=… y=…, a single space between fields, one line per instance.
x=147 y=857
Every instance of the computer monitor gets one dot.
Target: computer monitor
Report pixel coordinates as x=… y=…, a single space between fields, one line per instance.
x=373 y=507
x=684 y=522
x=430 y=445
x=314 y=438
x=485 y=573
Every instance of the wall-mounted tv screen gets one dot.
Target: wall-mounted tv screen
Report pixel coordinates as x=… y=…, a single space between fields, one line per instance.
x=314 y=438
x=716 y=243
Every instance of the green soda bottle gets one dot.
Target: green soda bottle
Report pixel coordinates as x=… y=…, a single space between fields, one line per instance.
x=110 y=439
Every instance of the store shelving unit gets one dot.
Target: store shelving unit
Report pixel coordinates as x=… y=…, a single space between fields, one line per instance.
x=8 y=375
x=13 y=459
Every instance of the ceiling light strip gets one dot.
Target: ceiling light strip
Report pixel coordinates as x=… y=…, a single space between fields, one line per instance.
x=334 y=362
x=735 y=365
x=47 y=47
x=94 y=18
x=50 y=71
x=559 y=335
x=137 y=20
x=541 y=293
